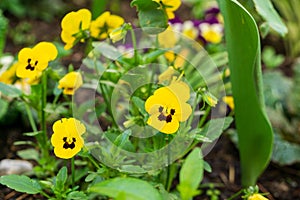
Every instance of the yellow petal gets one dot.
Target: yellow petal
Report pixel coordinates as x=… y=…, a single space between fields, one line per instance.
x=184 y=112
x=181 y=90
x=99 y=23
x=167 y=39
x=229 y=101
x=257 y=197
x=163 y=126
x=166 y=75
x=70 y=82
x=45 y=50
x=114 y=21
x=22 y=72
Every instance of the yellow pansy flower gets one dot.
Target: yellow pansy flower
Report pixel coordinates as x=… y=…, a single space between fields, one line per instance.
x=70 y=82
x=212 y=33
x=9 y=76
x=257 y=197
x=32 y=61
x=229 y=101
x=66 y=138
x=75 y=26
x=170 y=6
x=167 y=107
x=105 y=24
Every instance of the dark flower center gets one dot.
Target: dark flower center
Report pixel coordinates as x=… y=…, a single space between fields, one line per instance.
x=163 y=117
x=67 y=144
x=29 y=66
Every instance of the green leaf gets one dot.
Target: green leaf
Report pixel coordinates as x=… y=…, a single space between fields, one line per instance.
x=107 y=50
x=9 y=90
x=266 y=10
x=215 y=127
x=3 y=31
x=284 y=152
x=191 y=174
x=152 y=18
x=21 y=183
x=4 y=106
x=128 y=188
x=76 y=195
x=61 y=179
x=253 y=127
x=29 y=154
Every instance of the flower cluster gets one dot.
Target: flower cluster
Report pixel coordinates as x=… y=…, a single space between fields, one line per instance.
x=78 y=26
x=207 y=30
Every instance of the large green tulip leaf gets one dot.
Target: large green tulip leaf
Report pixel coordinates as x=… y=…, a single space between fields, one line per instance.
x=254 y=130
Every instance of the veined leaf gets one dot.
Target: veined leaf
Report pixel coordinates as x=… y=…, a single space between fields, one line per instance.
x=266 y=10
x=21 y=183
x=191 y=174
x=153 y=20
x=253 y=127
x=127 y=188
x=9 y=90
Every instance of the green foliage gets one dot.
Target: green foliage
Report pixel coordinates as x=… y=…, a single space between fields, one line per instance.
x=270 y=59
x=153 y=20
x=267 y=11
x=191 y=175
x=282 y=100
x=21 y=183
x=254 y=130
x=288 y=9
x=3 y=31
x=60 y=180
x=126 y=188
x=44 y=9
x=10 y=91
x=4 y=106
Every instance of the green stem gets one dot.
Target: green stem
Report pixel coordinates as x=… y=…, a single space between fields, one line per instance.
x=73 y=171
x=196 y=100
x=30 y=117
x=45 y=194
x=92 y=159
x=235 y=195
x=106 y=100
x=133 y=38
x=201 y=122
x=44 y=138
x=203 y=118
x=168 y=181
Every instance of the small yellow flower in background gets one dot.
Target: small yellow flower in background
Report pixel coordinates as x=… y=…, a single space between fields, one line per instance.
x=74 y=25
x=209 y=99
x=168 y=38
x=166 y=75
x=9 y=76
x=257 y=197
x=212 y=33
x=181 y=58
x=32 y=61
x=167 y=107
x=229 y=101
x=66 y=138
x=170 y=6
x=189 y=30
x=105 y=24
x=70 y=82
